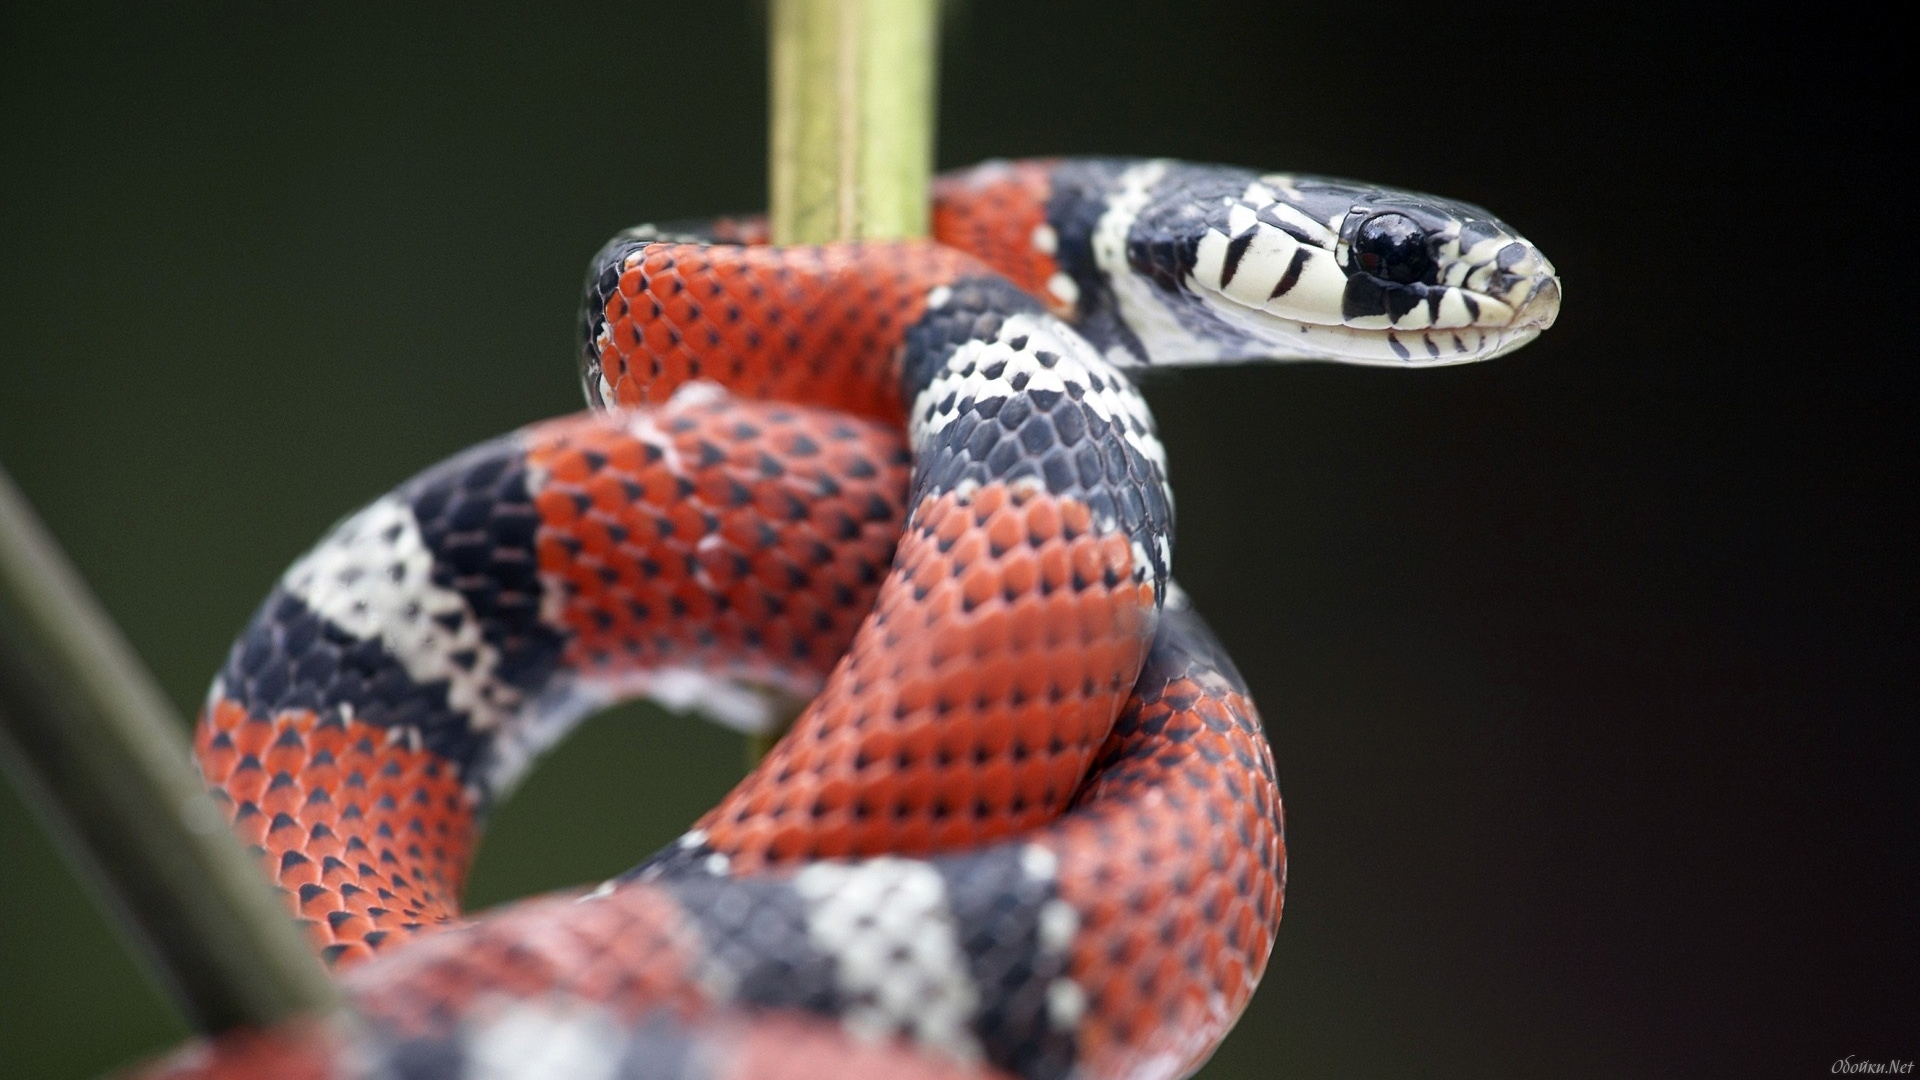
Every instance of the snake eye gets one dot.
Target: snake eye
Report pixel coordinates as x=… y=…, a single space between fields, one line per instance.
x=1391 y=247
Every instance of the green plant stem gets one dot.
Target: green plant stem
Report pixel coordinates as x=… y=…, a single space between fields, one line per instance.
x=95 y=748
x=852 y=118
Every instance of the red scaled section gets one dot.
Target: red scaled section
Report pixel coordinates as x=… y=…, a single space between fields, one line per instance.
x=969 y=708
x=1175 y=860
x=297 y=1050
x=368 y=838
x=817 y=324
x=631 y=951
x=998 y=213
x=734 y=536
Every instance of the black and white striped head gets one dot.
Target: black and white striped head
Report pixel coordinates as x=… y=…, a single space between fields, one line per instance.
x=1304 y=267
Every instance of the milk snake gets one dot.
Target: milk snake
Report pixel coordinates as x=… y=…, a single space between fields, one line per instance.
x=1028 y=825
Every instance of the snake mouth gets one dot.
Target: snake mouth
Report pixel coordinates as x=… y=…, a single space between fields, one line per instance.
x=1458 y=326
x=1388 y=346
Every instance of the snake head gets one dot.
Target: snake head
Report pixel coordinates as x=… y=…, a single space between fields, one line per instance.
x=1316 y=268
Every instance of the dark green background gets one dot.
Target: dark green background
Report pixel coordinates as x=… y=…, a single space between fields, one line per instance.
x=1583 y=667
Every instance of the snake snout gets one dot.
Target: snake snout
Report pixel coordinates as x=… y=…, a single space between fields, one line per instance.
x=1542 y=304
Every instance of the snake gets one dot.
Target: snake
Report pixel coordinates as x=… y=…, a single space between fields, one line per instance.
x=1027 y=823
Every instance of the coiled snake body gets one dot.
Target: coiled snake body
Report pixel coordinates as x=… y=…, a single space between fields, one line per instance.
x=1028 y=825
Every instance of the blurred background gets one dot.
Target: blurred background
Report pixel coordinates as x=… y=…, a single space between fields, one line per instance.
x=1583 y=667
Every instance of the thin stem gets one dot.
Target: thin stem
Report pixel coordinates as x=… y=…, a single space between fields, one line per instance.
x=852 y=127
x=96 y=749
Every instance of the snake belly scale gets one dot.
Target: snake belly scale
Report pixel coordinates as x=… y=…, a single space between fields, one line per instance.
x=1028 y=825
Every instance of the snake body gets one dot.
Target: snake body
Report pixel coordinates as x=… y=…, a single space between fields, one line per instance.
x=1028 y=825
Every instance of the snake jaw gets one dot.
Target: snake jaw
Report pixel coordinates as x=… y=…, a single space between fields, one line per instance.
x=1361 y=320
